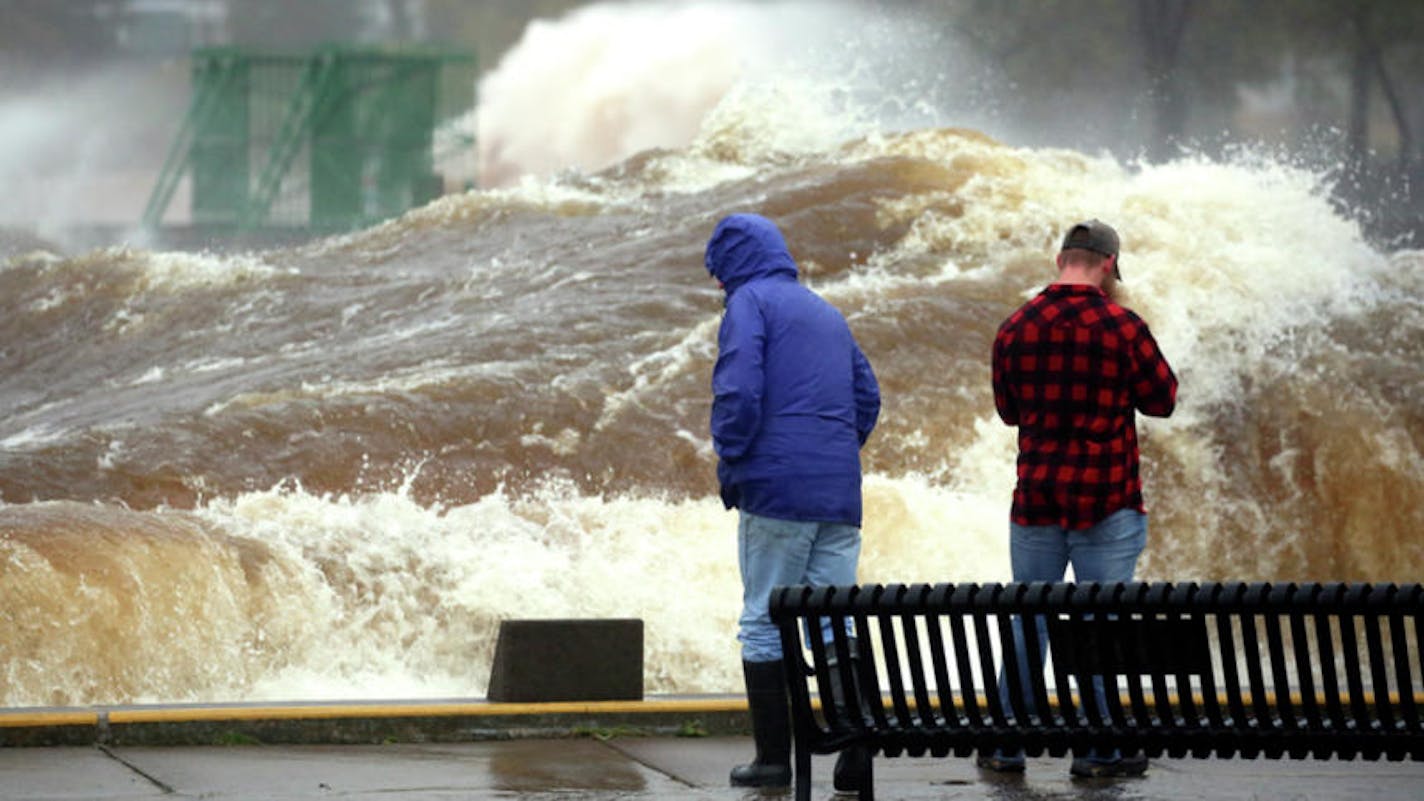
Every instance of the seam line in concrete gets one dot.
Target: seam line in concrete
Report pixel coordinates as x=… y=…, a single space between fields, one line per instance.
x=155 y=781
x=645 y=763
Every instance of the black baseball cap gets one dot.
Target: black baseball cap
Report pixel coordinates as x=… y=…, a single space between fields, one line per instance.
x=1094 y=235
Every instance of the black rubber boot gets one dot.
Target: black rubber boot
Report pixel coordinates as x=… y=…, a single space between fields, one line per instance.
x=771 y=727
x=852 y=766
x=849 y=773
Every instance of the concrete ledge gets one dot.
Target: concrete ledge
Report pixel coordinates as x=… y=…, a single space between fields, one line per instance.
x=598 y=659
x=373 y=722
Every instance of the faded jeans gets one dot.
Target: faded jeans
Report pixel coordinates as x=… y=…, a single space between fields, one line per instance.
x=774 y=552
x=1106 y=552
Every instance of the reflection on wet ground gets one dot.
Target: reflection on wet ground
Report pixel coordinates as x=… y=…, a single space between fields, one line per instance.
x=635 y=769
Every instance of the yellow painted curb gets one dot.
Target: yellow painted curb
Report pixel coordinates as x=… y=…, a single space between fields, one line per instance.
x=56 y=718
x=335 y=711
x=473 y=709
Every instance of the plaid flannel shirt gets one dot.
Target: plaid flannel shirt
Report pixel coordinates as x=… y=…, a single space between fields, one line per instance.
x=1070 y=367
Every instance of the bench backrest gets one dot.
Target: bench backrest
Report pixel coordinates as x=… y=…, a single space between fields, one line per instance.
x=1202 y=668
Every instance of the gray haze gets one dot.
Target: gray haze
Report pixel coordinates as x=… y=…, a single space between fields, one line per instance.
x=92 y=92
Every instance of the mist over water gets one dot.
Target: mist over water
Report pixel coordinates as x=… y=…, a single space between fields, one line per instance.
x=607 y=81
x=77 y=149
x=329 y=471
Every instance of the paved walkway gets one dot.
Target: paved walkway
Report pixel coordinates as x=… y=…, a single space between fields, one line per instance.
x=628 y=769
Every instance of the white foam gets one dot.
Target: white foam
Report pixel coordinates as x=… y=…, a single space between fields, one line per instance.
x=179 y=271
x=382 y=597
x=604 y=82
x=734 y=84
x=33 y=437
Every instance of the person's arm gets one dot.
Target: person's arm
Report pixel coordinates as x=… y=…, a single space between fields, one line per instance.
x=1154 y=385
x=738 y=378
x=1003 y=393
x=867 y=396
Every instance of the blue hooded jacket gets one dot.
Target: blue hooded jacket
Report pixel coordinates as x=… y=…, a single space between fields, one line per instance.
x=793 y=397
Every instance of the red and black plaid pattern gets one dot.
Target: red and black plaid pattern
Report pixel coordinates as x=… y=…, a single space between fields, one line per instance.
x=1070 y=367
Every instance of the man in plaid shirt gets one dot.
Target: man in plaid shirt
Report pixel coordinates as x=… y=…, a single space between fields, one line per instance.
x=1071 y=368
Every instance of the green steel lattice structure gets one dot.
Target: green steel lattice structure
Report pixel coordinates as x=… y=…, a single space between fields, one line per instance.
x=333 y=140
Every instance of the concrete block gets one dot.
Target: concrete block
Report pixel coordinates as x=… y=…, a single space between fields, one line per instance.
x=568 y=660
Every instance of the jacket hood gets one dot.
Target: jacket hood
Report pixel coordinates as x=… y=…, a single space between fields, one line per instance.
x=747 y=246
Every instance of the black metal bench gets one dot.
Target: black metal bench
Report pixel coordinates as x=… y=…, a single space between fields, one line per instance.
x=1210 y=669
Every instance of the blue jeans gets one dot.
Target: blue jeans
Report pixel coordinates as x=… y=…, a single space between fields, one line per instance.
x=774 y=552
x=1105 y=552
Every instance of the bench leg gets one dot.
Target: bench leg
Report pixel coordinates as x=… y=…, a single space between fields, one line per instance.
x=867 y=787
x=803 y=772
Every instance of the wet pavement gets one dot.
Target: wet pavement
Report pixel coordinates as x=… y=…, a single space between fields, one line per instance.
x=625 y=768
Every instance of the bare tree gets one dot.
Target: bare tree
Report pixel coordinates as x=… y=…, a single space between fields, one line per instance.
x=1161 y=24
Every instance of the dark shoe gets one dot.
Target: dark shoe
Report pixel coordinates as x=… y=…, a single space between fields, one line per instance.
x=771 y=727
x=754 y=775
x=1086 y=768
x=850 y=770
x=999 y=763
x=853 y=764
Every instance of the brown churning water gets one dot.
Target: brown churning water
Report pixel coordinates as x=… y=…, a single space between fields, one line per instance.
x=329 y=471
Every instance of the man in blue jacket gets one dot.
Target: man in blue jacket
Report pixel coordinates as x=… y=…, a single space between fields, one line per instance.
x=794 y=399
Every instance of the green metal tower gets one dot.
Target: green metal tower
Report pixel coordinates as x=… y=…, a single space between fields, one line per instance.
x=332 y=140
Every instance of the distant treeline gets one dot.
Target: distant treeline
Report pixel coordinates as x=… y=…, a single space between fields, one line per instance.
x=1331 y=83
